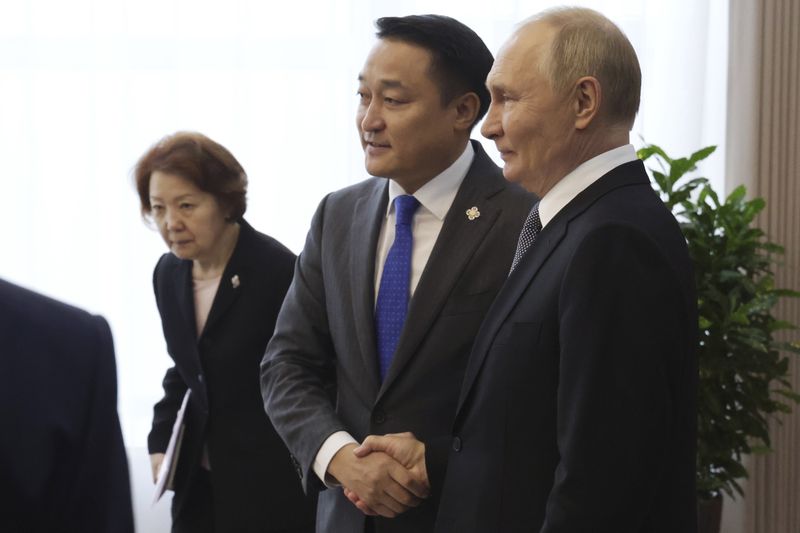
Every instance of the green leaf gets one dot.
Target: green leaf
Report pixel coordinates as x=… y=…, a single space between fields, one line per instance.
x=772 y=248
x=778 y=325
x=787 y=293
x=661 y=180
x=680 y=167
x=737 y=195
x=788 y=394
x=650 y=150
x=757 y=203
x=702 y=154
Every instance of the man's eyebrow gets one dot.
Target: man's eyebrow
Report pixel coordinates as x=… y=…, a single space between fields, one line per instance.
x=496 y=87
x=391 y=84
x=394 y=84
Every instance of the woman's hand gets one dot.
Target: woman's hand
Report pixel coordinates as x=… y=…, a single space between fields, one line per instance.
x=155 y=462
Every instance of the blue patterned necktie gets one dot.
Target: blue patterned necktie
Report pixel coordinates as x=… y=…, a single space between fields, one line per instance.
x=531 y=228
x=392 y=304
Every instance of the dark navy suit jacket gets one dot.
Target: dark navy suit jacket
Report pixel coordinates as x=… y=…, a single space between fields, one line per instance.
x=62 y=460
x=577 y=412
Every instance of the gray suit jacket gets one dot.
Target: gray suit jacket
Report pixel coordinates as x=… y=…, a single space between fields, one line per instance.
x=320 y=371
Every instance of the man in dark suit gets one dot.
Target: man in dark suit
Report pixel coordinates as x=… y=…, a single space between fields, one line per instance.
x=352 y=353
x=62 y=460
x=577 y=411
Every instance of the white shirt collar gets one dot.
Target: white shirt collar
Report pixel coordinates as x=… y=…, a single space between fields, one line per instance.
x=438 y=194
x=584 y=175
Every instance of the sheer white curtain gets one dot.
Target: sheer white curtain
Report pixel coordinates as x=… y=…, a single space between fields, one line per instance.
x=87 y=86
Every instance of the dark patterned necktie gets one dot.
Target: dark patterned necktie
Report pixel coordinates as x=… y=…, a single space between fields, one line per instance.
x=392 y=303
x=531 y=228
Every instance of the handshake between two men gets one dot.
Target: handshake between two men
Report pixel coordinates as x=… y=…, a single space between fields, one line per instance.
x=385 y=475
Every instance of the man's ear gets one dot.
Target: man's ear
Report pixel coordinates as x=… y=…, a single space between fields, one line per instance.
x=466 y=107
x=586 y=101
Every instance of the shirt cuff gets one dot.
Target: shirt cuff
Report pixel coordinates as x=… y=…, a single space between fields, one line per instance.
x=332 y=444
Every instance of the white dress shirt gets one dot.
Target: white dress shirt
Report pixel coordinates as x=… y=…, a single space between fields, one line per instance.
x=435 y=198
x=584 y=175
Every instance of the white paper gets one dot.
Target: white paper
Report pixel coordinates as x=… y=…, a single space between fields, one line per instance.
x=166 y=472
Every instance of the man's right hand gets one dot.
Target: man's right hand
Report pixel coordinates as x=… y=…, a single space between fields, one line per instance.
x=384 y=485
x=155 y=463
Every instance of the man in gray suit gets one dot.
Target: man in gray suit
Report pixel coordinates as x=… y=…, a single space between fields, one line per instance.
x=396 y=276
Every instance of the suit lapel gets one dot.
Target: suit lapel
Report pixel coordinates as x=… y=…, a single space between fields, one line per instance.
x=455 y=245
x=226 y=295
x=547 y=241
x=185 y=296
x=233 y=280
x=506 y=299
x=182 y=329
x=368 y=216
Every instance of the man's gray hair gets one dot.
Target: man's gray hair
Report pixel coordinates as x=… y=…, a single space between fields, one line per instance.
x=588 y=44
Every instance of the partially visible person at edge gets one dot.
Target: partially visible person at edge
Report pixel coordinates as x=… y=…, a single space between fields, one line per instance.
x=395 y=277
x=577 y=411
x=63 y=467
x=218 y=292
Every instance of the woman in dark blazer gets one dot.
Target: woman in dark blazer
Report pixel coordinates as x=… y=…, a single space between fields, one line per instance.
x=218 y=294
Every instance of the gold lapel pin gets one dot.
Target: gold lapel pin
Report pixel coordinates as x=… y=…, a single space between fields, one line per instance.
x=235 y=281
x=473 y=213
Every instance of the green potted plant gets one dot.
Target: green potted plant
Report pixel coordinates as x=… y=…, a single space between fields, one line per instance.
x=743 y=368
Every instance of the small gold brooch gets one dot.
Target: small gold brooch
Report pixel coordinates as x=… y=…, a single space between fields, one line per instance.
x=235 y=281
x=473 y=213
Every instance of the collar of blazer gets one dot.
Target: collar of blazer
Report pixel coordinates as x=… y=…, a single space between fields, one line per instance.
x=456 y=244
x=232 y=282
x=632 y=173
x=365 y=227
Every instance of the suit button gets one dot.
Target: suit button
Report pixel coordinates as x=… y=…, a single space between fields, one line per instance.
x=378 y=417
x=200 y=378
x=296 y=465
x=457 y=444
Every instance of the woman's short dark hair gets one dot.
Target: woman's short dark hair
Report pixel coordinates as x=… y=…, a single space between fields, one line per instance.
x=460 y=60
x=195 y=157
